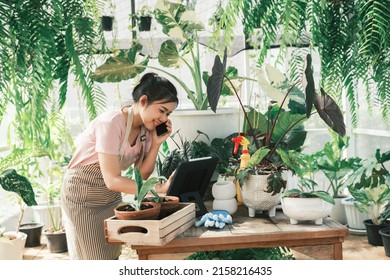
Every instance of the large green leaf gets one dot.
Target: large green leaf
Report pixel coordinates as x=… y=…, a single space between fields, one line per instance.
x=284 y=122
x=169 y=55
x=11 y=181
x=176 y=19
x=123 y=66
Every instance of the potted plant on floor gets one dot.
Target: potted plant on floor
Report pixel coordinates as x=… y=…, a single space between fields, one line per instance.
x=138 y=209
x=369 y=186
x=336 y=168
x=54 y=232
x=14 y=242
x=385 y=232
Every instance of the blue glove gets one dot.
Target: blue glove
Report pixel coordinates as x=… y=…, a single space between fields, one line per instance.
x=215 y=218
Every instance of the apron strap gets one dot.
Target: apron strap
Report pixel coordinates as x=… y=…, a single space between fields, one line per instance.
x=127 y=133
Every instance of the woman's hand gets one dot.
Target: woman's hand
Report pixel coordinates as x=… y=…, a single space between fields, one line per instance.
x=163 y=188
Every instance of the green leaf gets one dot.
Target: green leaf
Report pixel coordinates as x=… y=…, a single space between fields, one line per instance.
x=168 y=55
x=258 y=156
x=124 y=66
x=11 y=181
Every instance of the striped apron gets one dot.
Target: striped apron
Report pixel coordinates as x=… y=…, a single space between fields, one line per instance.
x=87 y=202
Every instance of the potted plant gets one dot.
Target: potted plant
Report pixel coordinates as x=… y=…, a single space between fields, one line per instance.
x=266 y=158
x=138 y=209
x=369 y=186
x=14 y=242
x=144 y=18
x=336 y=168
x=107 y=18
x=306 y=201
x=385 y=232
x=54 y=231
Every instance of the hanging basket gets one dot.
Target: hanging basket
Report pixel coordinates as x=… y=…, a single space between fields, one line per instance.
x=145 y=23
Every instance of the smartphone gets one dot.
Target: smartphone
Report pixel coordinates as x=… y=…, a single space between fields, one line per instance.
x=161 y=129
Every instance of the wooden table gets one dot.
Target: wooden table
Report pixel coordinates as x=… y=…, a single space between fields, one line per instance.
x=258 y=232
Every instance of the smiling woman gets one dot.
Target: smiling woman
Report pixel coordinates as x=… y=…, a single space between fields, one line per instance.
x=113 y=142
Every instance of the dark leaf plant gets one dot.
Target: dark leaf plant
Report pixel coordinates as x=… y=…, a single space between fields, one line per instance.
x=262 y=158
x=369 y=186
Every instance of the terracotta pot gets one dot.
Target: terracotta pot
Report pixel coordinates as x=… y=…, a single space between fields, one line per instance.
x=146 y=214
x=169 y=206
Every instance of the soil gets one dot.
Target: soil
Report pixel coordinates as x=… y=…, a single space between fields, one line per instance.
x=130 y=208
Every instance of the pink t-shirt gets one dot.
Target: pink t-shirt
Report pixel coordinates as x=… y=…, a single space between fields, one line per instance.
x=105 y=134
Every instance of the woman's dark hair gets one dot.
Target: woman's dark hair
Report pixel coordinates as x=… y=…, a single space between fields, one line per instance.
x=156 y=88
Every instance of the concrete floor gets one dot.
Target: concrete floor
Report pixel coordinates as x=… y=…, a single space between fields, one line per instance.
x=355 y=247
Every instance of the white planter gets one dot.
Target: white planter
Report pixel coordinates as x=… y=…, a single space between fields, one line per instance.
x=338 y=212
x=12 y=249
x=224 y=193
x=355 y=218
x=216 y=125
x=256 y=199
x=306 y=209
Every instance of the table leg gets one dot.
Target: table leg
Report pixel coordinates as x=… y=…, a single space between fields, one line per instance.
x=338 y=251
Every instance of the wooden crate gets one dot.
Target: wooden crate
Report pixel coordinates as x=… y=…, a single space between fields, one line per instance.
x=150 y=232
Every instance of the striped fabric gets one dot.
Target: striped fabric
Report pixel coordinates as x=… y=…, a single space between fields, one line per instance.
x=86 y=203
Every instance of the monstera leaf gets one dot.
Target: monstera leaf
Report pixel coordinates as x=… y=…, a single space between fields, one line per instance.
x=11 y=181
x=123 y=66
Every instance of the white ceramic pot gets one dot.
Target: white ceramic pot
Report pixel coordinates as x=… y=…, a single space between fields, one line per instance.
x=338 y=212
x=229 y=205
x=306 y=209
x=355 y=218
x=12 y=249
x=256 y=199
x=223 y=190
x=224 y=193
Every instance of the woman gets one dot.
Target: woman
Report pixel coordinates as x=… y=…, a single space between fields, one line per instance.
x=112 y=142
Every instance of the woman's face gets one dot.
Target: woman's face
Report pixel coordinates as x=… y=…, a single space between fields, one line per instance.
x=156 y=113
